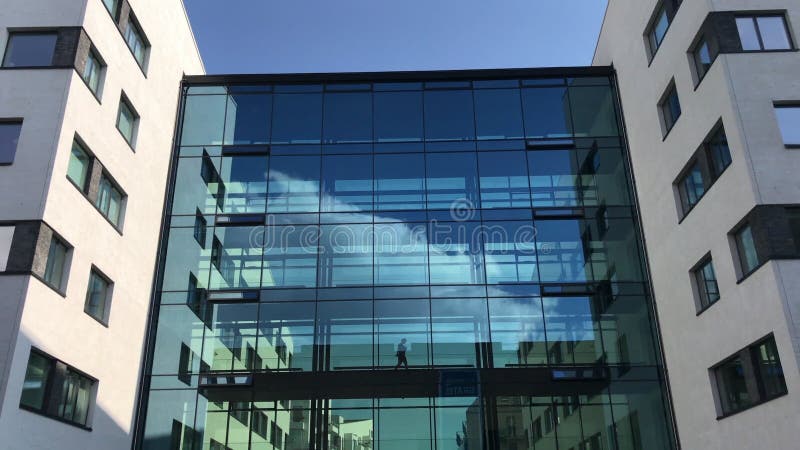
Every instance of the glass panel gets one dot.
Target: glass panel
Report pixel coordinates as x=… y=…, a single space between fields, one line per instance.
x=452 y=181
x=126 y=121
x=626 y=329
x=203 y=120
x=517 y=326
x=136 y=42
x=236 y=258
x=504 y=180
x=297 y=119
x=553 y=178
x=286 y=336
x=546 y=113
x=449 y=115
x=702 y=59
x=719 y=153
x=748 y=257
x=692 y=188
x=455 y=253
x=671 y=108
x=398 y=116
x=30 y=49
x=197 y=186
x=593 y=111
x=707 y=284
x=56 y=259
x=293 y=184
x=170 y=417
x=562 y=251
x=601 y=171
x=348 y=118
x=186 y=258
x=789 y=123
x=659 y=29
x=573 y=330
x=769 y=368
x=96 y=297
x=773 y=33
x=459 y=327
x=231 y=329
x=402 y=326
x=498 y=113
x=510 y=252
x=244 y=181
x=401 y=254
x=290 y=256
x=91 y=72
x=344 y=332
x=9 y=138
x=347 y=183
x=393 y=425
x=345 y=255
x=732 y=386
x=248 y=119
x=36 y=378
x=179 y=332
x=78 y=168
x=109 y=200
x=747 y=33
x=459 y=423
x=399 y=182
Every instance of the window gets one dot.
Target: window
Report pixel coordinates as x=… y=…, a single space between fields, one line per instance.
x=200 y=227
x=54 y=389
x=736 y=391
x=98 y=296
x=127 y=121
x=760 y=33
x=789 y=124
x=658 y=29
x=703 y=57
x=109 y=200
x=26 y=49
x=80 y=164
x=705 y=167
x=746 y=247
x=691 y=188
x=112 y=6
x=718 y=153
x=136 y=41
x=670 y=107
x=92 y=71
x=706 y=281
x=9 y=138
x=56 y=264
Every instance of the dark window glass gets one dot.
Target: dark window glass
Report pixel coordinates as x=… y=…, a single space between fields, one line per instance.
x=399 y=182
x=97 y=297
x=236 y=258
x=554 y=178
x=9 y=138
x=563 y=250
x=398 y=116
x=110 y=200
x=732 y=386
x=248 y=119
x=518 y=337
x=754 y=375
x=92 y=70
x=127 y=120
x=348 y=118
x=30 y=49
x=770 y=371
x=37 y=376
x=449 y=115
x=691 y=187
x=789 y=124
x=658 y=30
x=136 y=41
x=297 y=119
x=504 y=180
x=758 y=33
x=498 y=113
x=79 y=165
x=593 y=111
x=702 y=58
x=719 y=153
x=748 y=257
x=547 y=112
x=293 y=184
x=347 y=183
x=64 y=393
x=231 y=328
x=573 y=330
x=452 y=181
x=706 y=281
x=670 y=108
x=56 y=264
x=245 y=182
x=200 y=228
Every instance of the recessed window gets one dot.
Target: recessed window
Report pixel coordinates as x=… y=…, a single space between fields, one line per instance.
x=759 y=33
x=9 y=138
x=112 y=6
x=127 y=121
x=737 y=389
x=705 y=167
x=54 y=389
x=746 y=248
x=703 y=56
x=80 y=164
x=692 y=187
x=56 y=264
x=718 y=153
x=789 y=122
x=30 y=49
x=670 y=108
x=706 y=280
x=136 y=41
x=110 y=200
x=658 y=29
x=98 y=296
x=92 y=72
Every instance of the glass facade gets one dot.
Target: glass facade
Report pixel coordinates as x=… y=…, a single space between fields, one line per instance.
x=404 y=264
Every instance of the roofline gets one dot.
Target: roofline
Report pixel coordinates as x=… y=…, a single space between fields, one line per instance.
x=600 y=34
x=194 y=39
x=425 y=75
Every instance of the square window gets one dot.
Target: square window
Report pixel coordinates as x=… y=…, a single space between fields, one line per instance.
x=670 y=107
x=789 y=123
x=110 y=200
x=27 y=49
x=93 y=71
x=80 y=165
x=706 y=280
x=9 y=138
x=127 y=121
x=762 y=33
x=56 y=264
x=746 y=247
x=98 y=296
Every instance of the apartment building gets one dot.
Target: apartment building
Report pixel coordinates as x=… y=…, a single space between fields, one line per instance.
x=88 y=91
x=711 y=96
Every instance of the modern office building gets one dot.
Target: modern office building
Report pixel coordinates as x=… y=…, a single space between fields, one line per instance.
x=427 y=260
x=88 y=91
x=711 y=96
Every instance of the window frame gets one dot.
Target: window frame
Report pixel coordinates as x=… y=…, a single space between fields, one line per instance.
x=786 y=105
x=124 y=100
x=62 y=285
x=754 y=16
x=109 y=291
x=664 y=107
x=142 y=37
x=12 y=121
x=699 y=69
x=652 y=45
x=18 y=32
x=739 y=253
x=697 y=273
x=105 y=176
x=90 y=164
x=114 y=14
x=703 y=157
x=101 y=70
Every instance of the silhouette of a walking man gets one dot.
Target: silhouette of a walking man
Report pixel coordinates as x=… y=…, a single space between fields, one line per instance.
x=401 y=354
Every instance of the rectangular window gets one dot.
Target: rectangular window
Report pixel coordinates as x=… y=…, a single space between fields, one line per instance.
x=92 y=71
x=746 y=247
x=56 y=264
x=705 y=167
x=762 y=33
x=9 y=138
x=136 y=41
x=200 y=227
x=127 y=121
x=753 y=376
x=703 y=56
x=789 y=123
x=54 y=389
x=691 y=187
x=706 y=280
x=98 y=296
x=658 y=29
x=718 y=153
x=80 y=165
x=670 y=107
x=110 y=200
x=28 y=49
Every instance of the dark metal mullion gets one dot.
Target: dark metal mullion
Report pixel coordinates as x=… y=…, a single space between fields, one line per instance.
x=758 y=32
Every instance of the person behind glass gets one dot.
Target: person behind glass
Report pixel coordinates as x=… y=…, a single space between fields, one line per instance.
x=401 y=354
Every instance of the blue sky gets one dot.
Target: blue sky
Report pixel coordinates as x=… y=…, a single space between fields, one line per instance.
x=272 y=36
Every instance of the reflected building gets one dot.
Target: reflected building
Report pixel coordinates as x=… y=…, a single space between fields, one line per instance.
x=315 y=221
